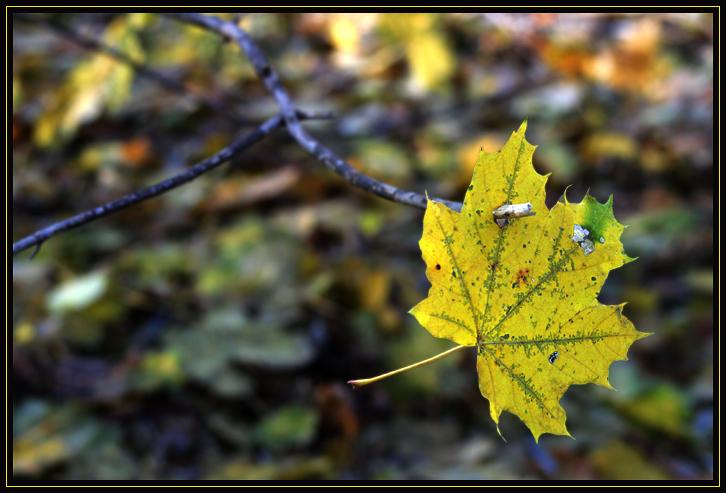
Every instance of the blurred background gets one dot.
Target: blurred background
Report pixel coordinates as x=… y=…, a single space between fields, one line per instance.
x=209 y=333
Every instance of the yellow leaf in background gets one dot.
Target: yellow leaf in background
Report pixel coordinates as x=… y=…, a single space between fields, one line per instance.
x=429 y=55
x=24 y=333
x=347 y=33
x=93 y=86
x=406 y=27
x=610 y=144
x=17 y=92
x=31 y=458
x=374 y=290
x=432 y=63
x=622 y=462
x=664 y=408
x=54 y=437
x=525 y=294
x=344 y=33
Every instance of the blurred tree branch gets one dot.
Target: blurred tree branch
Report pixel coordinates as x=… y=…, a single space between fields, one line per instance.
x=289 y=117
x=239 y=145
x=324 y=154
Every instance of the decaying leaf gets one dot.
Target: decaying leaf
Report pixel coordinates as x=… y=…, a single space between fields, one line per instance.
x=524 y=292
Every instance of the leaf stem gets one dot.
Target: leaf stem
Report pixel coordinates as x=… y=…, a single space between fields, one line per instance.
x=366 y=381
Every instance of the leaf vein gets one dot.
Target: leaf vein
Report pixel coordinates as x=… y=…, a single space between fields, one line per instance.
x=460 y=275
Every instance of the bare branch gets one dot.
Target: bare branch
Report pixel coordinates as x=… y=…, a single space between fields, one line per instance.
x=289 y=117
x=198 y=169
x=271 y=80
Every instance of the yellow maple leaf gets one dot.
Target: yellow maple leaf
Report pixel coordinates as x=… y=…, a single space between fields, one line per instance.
x=523 y=291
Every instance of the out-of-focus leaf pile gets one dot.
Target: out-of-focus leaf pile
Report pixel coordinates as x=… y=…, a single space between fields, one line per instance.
x=207 y=333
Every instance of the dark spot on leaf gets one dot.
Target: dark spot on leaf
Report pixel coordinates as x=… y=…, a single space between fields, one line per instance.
x=438 y=266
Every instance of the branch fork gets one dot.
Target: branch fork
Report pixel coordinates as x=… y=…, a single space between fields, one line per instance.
x=290 y=118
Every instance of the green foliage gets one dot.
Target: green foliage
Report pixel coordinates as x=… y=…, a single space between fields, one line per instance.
x=291 y=427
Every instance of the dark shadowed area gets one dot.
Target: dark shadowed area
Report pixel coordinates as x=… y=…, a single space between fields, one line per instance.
x=209 y=332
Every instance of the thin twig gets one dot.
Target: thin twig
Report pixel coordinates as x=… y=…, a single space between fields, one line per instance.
x=165 y=81
x=198 y=169
x=35 y=250
x=271 y=80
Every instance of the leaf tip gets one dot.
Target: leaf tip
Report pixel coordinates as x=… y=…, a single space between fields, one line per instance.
x=536 y=436
x=523 y=127
x=563 y=198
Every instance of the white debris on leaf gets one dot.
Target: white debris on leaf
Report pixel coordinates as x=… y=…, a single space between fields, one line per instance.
x=502 y=222
x=513 y=210
x=587 y=247
x=602 y=240
x=580 y=236
x=506 y=212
